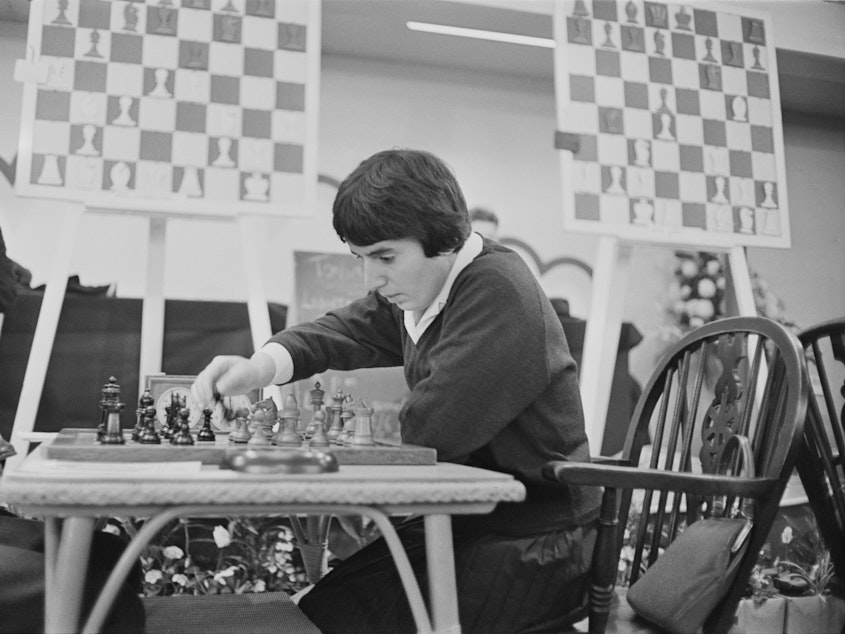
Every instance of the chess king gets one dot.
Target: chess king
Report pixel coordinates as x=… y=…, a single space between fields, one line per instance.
x=492 y=384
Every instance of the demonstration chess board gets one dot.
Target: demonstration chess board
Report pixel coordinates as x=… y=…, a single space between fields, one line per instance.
x=669 y=115
x=82 y=444
x=210 y=103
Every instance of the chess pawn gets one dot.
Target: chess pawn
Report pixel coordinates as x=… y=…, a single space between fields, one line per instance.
x=167 y=426
x=145 y=400
x=149 y=436
x=320 y=439
x=182 y=436
x=206 y=433
x=240 y=433
x=288 y=435
x=317 y=395
x=258 y=437
x=363 y=432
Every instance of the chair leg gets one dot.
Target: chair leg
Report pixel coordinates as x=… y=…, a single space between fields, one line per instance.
x=604 y=564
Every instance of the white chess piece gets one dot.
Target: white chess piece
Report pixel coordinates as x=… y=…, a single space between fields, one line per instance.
x=120 y=174
x=160 y=89
x=256 y=187
x=615 y=186
x=124 y=118
x=665 y=133
x=50 y=174
x=719 y=197
x=746 y=220
x=739 y=108
x=642 y=153
x=643 y=212
x=768 y=196
x=224 y=145
x=190 y=183
x=87 y=148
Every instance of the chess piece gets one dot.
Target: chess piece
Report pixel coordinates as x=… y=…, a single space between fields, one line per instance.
x=229 y=31
x=160 y=89
x=240 y=434
x=206 y=434
x=334 y=421
x=61 y=19
x=708 y=46
x=190 y=186
x=256 y=187
x=580 y=36
x=664 y=107
x=615 y=186
x=113 y=434
x=50 y=173
x=130 y=17
x=258 y=437
x=165 y=26
x=756 y=53
x=642 y=153
x=631 y=12
x=746 y=220
x=682 y=19
x=320 y=438
x=182 y=436
x=87 y=148
x=608 y=40
x=719 y=197
x=362 y=435
x=224 y=146
x=739 y=109
x=659 y=43
x=145 y=401
x=264 y=8
x=196 y=58
x=665 y=133
x=643 y=212
x=229 y=7
x=755 y=32
x=347 y=417
x=659 y=15
x=317 y=395
x=95 y=40
x=768 y=196
x=580 y=9
x=124 y=118
x=109 y=395
x=713 y=77
x=288 y=436
x=120 y=175
x=149 y=435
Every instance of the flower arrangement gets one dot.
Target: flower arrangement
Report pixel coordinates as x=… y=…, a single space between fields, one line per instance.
x=698 y=295
x=219 y=556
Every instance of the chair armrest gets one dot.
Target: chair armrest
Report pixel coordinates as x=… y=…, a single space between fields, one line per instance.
x=619 y=477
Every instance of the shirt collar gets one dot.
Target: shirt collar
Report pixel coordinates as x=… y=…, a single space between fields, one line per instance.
x=467 y=253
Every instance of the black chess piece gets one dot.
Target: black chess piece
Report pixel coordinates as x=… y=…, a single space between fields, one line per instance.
x=95 y=40
x=631 y=12
x=130 y=17
x=206 y=433
x=61 y=19
x=113 y=434
x=317 y=395
x=109 y=394
x=144 y=402
x=183 y=436
x=149 y=436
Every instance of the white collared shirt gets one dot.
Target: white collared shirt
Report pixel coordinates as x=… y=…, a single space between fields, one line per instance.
x=468 y=252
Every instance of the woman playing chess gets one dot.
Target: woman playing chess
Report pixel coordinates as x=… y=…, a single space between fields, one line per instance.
x=492 y=385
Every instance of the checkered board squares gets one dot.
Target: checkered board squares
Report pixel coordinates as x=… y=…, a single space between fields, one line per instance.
x=675 y=113
x=208 y=102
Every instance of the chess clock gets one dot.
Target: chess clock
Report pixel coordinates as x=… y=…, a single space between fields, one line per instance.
x=164 y=388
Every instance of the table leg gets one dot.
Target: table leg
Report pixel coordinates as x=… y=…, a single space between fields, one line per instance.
x=442 y=585
x=52 y=535
x=63 y=597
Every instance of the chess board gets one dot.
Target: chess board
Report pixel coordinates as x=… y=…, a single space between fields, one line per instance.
x=205 y=106
x=81 y=444
x=669 y=124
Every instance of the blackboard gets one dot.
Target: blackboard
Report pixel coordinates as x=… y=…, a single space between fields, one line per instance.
x=325 y=281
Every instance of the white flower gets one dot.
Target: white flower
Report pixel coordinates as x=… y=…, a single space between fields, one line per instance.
x=686 y=291
x=695 y=322
x=689 y=269
x=111 y=528
x=221 y=536
x=179 y=579
x=173 y=552
x=259 y=586
x=221 y=576
x=153 y=576
x=713 y=267
x=786 y=535
x=705 y=309
x=706 y=288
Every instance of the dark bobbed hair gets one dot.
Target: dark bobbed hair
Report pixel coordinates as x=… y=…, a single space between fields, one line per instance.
x=399 y=194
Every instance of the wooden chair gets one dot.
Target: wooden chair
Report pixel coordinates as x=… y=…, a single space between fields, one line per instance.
x=821 y=464
x=737 y=376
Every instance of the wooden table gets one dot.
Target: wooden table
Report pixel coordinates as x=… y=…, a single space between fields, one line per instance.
x=70 y=495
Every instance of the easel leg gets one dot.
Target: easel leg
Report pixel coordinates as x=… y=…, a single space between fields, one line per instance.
x=45 y=334
x=601 y=339
x=259 y=315
x=741 y=278
x=152 y=315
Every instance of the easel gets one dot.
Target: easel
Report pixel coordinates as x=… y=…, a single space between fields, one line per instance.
x=152 y=316
x=601 y=339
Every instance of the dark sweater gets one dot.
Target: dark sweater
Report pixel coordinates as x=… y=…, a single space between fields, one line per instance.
x=492 y=382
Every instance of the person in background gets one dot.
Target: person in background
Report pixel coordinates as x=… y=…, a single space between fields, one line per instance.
x=9 y=282
x=485 y=222
x=492 y=385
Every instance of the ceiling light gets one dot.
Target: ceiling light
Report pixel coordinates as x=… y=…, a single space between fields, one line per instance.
x=496 y=36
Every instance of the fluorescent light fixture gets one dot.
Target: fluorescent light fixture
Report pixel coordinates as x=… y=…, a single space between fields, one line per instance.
x=496 y=36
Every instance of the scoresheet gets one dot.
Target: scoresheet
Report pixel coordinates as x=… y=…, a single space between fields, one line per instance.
x=669 y=124
x=195 y=105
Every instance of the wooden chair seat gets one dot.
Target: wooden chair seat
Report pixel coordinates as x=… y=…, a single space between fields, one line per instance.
x=255 y=613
